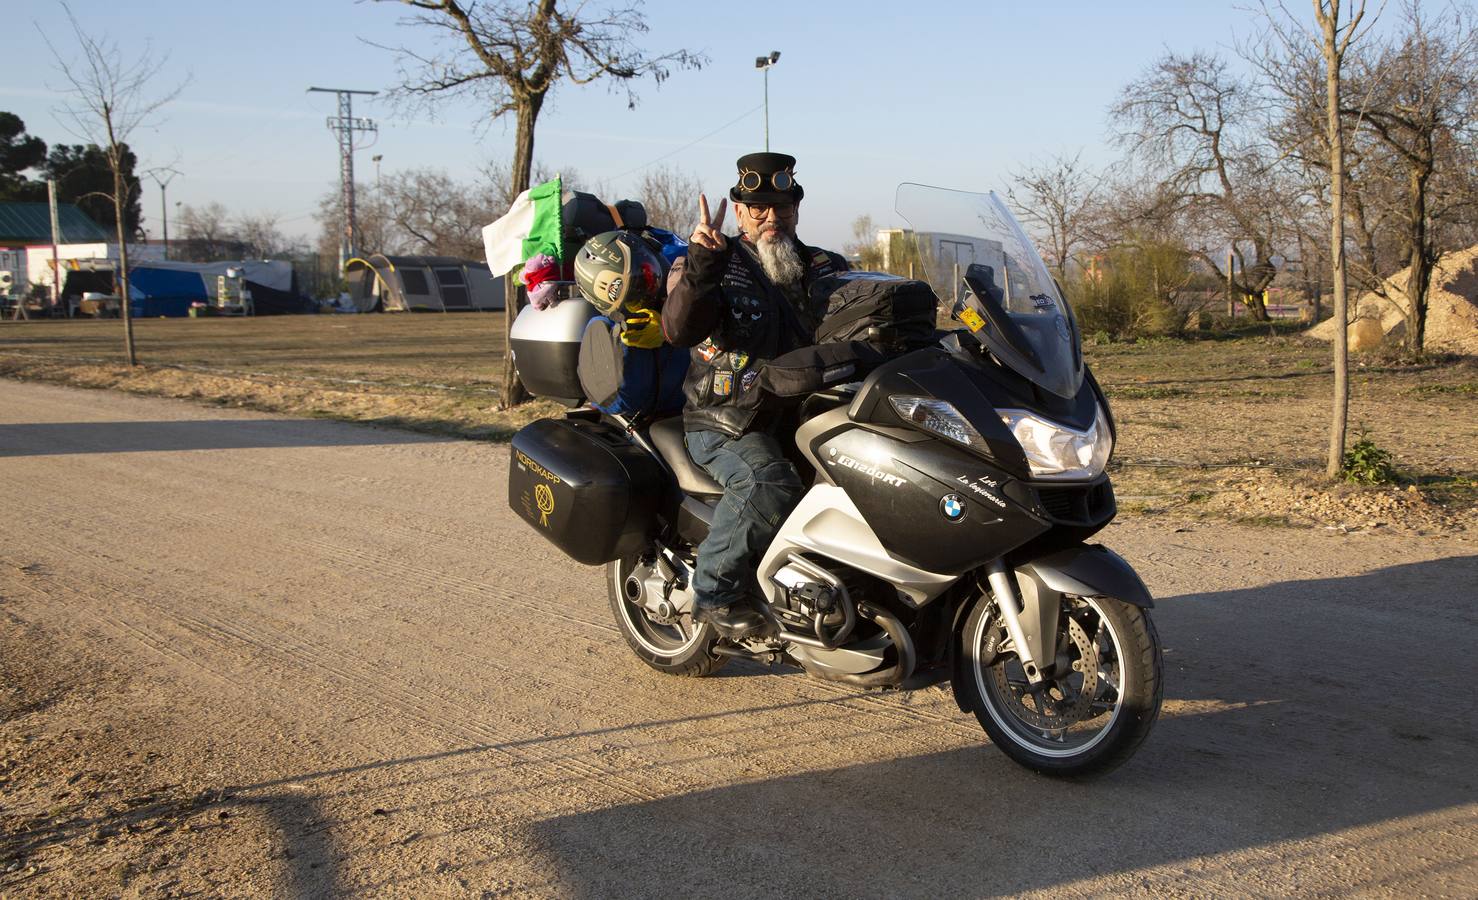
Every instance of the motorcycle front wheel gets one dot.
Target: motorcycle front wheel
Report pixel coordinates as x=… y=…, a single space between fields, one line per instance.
x=673 y=644
x=1096 y=707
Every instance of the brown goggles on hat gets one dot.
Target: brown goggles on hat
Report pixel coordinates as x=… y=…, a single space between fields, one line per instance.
x=750 y=180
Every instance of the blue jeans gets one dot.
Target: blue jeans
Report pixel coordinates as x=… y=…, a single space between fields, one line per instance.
x=761 y=487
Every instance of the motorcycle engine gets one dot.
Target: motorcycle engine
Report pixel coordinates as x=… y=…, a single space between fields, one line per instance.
x=802 y=598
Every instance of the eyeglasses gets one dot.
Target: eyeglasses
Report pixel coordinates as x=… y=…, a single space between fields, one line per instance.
x=768 y=210
x=750 y=180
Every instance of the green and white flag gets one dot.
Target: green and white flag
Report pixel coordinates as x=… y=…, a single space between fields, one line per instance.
x=530 y=226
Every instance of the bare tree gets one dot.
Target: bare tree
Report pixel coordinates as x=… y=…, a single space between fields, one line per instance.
x=207 y=222
x=110 y=100
x=423 y=211
x=1420 y=106
x=667 y=194
x=1337 y=38
x=205 y=233
x=512 y=55
x=259 y=235
x=371 y=220
x=1193 y=121
x=498 y=174
x=1411 y=122
x=435 y=215
x=1053 y=197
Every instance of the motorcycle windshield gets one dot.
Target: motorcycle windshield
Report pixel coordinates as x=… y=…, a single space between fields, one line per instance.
x=981 y=263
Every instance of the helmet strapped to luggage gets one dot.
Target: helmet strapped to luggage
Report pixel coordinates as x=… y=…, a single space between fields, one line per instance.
x=618 y=269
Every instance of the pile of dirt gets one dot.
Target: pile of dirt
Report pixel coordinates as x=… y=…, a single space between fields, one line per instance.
x=1452 y=306
x=1267 y=495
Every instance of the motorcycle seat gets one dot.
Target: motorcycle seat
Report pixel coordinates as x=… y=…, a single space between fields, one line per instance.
x=667 y=437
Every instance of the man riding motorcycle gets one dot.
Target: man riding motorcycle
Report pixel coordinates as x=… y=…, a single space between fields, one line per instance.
x=739 y=303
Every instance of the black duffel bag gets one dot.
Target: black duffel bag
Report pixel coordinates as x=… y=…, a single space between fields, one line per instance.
x=585 y=215
x=890 y=312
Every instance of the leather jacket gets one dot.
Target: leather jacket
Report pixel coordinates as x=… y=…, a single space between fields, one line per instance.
x=722 y=305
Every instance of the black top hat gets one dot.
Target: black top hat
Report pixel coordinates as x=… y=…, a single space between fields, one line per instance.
x=766 y=178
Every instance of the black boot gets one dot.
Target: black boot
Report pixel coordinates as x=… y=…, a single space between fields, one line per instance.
x=734 y=621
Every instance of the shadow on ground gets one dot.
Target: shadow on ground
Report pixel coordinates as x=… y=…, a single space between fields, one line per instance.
x=1295 y=711
x=1338 y=709
x=64 y=438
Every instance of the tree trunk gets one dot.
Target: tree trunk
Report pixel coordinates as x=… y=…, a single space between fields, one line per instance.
x=1231 y=295
x=122 y=280
x=514 y=392
x=1340 y=420
x=1255 y=283
x=1419 y=260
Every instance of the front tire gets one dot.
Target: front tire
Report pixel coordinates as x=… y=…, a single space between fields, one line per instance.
x=676 y=646
x=1085 y=721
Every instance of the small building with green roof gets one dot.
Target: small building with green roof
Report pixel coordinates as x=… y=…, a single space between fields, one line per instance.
x=25 y=241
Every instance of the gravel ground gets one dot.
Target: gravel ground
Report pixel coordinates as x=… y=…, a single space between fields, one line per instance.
x=245 y=654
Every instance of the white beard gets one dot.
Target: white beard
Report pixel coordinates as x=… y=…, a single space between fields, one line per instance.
x=781 y=261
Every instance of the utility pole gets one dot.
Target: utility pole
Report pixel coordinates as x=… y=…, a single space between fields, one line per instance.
x=163 y=182
x=344 y=125
x=763 y=63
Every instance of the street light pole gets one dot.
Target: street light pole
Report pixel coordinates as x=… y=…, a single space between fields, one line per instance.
x=764 y=63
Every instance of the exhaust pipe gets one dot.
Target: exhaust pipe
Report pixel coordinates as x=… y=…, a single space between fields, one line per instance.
x=892 y=676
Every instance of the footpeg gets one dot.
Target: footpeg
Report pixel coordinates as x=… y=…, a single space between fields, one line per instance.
x=733 y=622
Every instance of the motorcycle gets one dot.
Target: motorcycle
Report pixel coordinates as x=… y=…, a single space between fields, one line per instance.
x=943 y=535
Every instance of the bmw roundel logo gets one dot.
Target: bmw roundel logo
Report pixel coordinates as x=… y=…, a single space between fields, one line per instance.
x=953 y=507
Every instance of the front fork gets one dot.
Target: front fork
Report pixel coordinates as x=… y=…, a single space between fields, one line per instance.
x=1029 y=610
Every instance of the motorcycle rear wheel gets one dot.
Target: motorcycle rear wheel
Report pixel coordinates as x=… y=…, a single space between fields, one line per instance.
x=1085 y=722
x=678 y=647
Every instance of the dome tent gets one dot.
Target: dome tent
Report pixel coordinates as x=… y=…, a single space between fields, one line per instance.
x=421 y=283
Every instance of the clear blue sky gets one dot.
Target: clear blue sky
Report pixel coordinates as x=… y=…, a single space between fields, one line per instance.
x=865 y=95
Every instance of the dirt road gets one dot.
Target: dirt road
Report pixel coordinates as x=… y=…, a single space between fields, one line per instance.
x=252 y=655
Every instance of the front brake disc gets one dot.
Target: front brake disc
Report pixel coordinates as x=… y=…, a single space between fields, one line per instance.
x=1059 y=703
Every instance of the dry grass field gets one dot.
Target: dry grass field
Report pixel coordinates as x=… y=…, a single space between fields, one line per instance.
x=426 y=372
x=1230 y=428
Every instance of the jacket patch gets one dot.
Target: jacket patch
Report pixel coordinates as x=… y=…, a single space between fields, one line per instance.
x=756 y=322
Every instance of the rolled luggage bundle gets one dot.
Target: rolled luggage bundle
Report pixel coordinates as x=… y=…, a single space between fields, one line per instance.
x=892 y=313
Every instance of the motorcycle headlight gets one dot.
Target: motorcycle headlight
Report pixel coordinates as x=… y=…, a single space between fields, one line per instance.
x=1056 y=452
x=939 y=417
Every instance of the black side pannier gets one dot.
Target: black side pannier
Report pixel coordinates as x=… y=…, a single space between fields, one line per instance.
x=585 y=487
x=901 y=310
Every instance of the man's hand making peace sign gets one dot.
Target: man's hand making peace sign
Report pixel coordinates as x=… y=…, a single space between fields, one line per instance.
x=709 y=232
